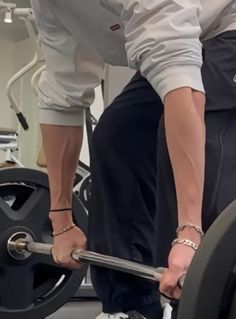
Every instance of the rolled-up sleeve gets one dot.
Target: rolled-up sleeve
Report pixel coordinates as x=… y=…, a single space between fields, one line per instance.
x=72 y=71
x=162 y=41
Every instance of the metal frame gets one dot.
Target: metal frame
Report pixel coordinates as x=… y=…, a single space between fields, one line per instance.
x=25 y=14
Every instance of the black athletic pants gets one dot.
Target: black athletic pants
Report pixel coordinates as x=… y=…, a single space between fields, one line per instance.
x=126 y=220
x=123 y=212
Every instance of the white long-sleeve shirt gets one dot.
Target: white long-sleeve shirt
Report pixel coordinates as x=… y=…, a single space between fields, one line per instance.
x=161 y=38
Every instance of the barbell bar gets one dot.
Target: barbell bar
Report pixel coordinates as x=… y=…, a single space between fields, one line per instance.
x=24 y=245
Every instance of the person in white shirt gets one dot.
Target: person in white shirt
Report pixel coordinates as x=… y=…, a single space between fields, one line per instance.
x=162 y=40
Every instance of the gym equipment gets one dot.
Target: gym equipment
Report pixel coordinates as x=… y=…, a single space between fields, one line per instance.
x=9 y=144
x=33 y=286
x=25 y=14
x=211 y=275
x=20 y=246
x=36 y=287
x=84 y=192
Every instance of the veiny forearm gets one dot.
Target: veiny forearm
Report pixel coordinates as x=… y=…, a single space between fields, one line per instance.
x=185 y=133
x=62 y=145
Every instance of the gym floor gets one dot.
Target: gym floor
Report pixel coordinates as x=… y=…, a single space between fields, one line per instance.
x=78 y=310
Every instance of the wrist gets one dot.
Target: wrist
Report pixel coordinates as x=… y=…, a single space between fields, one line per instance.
x=60 y=220
x=58 y=201
x=185 y=242
x=63 y=230
x=191 y=234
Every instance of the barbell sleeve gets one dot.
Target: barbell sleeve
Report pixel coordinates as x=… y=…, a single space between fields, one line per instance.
x=93 y=258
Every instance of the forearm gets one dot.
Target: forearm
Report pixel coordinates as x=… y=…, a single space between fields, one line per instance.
x=185 y=134
x=62 y=145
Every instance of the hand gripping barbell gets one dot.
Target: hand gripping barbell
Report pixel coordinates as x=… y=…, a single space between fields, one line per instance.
x=21 y=245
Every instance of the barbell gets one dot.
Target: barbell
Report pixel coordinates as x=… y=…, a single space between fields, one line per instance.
x=33 y=286
x=21 y=245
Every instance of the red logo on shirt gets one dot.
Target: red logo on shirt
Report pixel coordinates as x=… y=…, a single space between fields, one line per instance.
x=115 y=27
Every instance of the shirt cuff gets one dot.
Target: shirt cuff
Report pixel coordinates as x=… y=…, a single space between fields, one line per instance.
x=63 y=118
x=177 y=77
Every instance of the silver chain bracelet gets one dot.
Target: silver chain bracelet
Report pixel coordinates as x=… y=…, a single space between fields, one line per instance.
x=185 y=242
x=189 y=225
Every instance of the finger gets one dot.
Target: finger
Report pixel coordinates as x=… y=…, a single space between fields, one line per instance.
x=57 y=261
x=181 y=280
x=68 y=262
x=74 y=262
x=177 y=293
x=168 y=284
x=168 y=281
x=166 y=289
x=54 y=257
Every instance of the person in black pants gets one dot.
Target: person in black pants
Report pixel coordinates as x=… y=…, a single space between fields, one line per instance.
x=163 y=41
x=138 y=211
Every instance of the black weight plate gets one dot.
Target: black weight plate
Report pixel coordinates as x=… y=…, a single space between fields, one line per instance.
x=210 y=270
x=228 y=306
x=232 y=312
x=36 y=287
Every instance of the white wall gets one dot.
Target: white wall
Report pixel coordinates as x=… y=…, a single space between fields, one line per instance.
x=7 y=119
x=115 y=80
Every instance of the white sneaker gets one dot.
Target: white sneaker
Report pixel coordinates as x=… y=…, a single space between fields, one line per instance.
x=121 y=315
x=118 y=315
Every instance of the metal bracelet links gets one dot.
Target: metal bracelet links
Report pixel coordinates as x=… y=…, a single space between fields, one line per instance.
x=63 y=230
x=189 y=225
x=185 y=242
